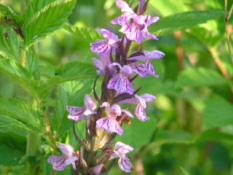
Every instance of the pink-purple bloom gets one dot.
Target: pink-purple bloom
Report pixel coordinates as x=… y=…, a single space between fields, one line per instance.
x=102 y=65
x=78 y=113
x=68 y=157
x=103 y=47
x=147 y=69
x=120 y=81
x=140 y=102
x=120 y=150
x=109 y=122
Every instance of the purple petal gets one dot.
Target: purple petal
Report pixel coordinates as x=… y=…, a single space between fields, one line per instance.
x=124 y=164
x=152 y=20
x=148 y=97
x=110 y=124
x=109 y=36
x=105 y=104
x=151 y=69
x=67 y=150
x=140 y=113
x=70 y=160
x=76 y=117
x=100 y=47
x=115 y=110
x=127 y=113
x=121 y=84
x=155 y=54
x=98 y=64
x=122 y=148
x=141 y=70
x=127 y=70
x=89 y=103
x=75 y=110
x=132 y=32
x=124 y=6
x=140 y=101
x=58 y=162
x=97 y=169
x=132 y=100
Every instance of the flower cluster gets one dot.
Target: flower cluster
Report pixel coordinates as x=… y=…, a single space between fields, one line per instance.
x=118 y=69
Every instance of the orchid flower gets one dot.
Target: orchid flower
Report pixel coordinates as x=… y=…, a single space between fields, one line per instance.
x=78 y=113
x=102 y=64
x=120 y=150
x=147 y=69
x=68 y=156
x=120 y=81
x=109 y=122
x=103 y=47
x=140 y=102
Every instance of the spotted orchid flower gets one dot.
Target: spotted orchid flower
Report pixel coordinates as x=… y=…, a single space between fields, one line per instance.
x=78 y=113
x=127 y=13
x=120 y=81
x=147 y=69
x=120 y=150
x=140 y=102
x=68 y=157
x=103 y=47
x=102 y=65
x=109 y=122
x=136 y=28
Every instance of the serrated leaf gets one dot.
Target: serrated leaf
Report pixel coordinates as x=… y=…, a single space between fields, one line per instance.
x=199 y=77
x=47 y=21
x=88 y=34
x=7 y=11
x=9 y=44
x=31 y=63
x=69 y=93
x=68 y=72
x=19 y=75
x=22 y=111
x=11 y=123
x=182 y=21
x=218 y=112
x=33 y=8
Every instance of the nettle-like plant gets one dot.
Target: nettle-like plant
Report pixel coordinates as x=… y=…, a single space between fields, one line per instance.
x=35 y=115
x=117 y=66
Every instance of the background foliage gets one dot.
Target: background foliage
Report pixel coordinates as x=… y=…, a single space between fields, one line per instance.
x=45 y=64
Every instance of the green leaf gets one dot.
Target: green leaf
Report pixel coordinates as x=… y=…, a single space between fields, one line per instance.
x=11 y=123
x=31 y=63
x=9 y=156
x=183 y=171
x=182 y=21
x=70 y=71
x=7 y=11
x=69 y=93
x=34 y=8
x=22 y=111
x=19 y=75
x=47 y=21
x=218 y=112
x=199 y=77
x=88 y=34
x=138 y=133
x=9 y=44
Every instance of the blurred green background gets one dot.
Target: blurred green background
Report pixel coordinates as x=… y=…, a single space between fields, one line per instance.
x=190 y=130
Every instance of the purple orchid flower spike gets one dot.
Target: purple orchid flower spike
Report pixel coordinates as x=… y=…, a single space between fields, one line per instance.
x=103 y=47
x=127 y=13
x=68 y=157
x=78 y=113
x=109 y=122
x=137 y=30
x=103 y=64
x=120 y=150
x=147 y=69
x=140 y=102
x=120 y=81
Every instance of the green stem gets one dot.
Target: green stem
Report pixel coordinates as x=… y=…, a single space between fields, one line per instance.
x=33 y=149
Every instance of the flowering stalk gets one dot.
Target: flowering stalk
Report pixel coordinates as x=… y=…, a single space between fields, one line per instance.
x=119 y=69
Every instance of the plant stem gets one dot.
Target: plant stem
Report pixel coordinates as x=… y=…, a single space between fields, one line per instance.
x=227 y=32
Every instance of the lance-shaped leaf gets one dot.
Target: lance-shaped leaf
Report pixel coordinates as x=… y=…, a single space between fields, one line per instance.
x=7 y=11
x=12 y=123
x=34 y=8
x=31 y=63
x=182 y=21
x=9 y=44
x=47 y=21
x=74 y=70
x=88 y=34
x=22 y=111
x=19 y=75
